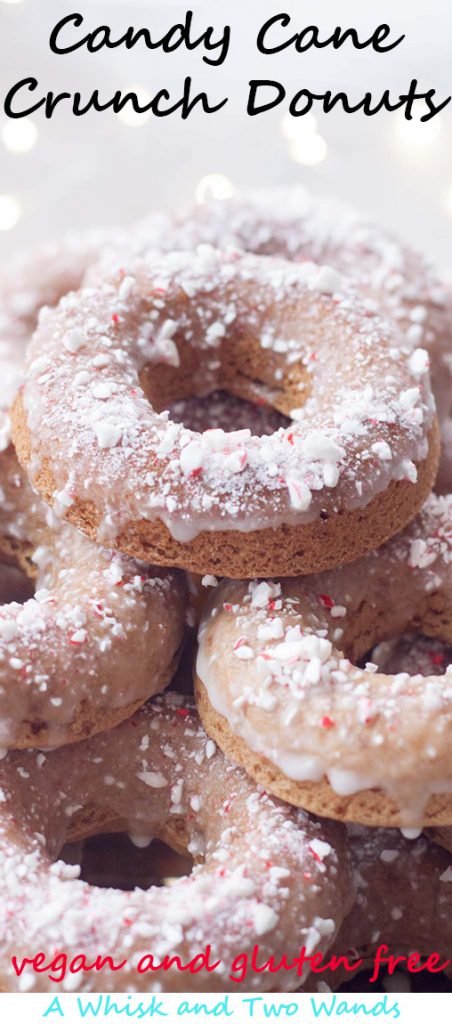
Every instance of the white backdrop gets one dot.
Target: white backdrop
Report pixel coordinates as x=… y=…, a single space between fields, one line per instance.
x=97 y=169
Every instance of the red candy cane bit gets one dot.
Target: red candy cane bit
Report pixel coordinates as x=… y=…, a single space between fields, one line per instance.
x=437 y=659
x=327 y=601
x=327 y=723
x=182 y=712
x=115 y=318
x=239 y=643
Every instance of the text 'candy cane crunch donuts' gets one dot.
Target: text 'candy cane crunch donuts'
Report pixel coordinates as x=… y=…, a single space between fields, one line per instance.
x=266 y=874
x=100 y=636
x=352 y=468
x=278 y=692
x=403 y=902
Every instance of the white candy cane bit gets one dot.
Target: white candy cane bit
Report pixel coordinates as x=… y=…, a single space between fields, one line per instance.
x=299 y=494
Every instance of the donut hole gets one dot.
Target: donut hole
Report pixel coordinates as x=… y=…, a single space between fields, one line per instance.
x=246 y=384
x=414 y=653
x=220 y=409
x=14 y=585
x=116 y=861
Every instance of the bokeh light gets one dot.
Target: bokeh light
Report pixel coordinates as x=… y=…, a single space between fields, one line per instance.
x=10 y=212
x=131 y=117
x=213 y=186
x=309 y=151
x=416 y=134
x=305 y=145
x=297 y=127
x=19 y=136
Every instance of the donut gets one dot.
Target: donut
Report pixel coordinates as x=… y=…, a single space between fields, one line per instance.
x=279 y=689
x=101 y=634
x=265 y=874
x=403 y=902
x=354 y=466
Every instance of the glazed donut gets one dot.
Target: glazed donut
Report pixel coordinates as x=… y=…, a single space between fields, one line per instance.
x=403 y=901
x=100 y=636
x=292 y=223
x=352 y=468
x=265 y=873
x=277 y=691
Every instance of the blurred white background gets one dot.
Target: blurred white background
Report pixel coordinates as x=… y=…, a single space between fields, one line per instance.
x=99 y=168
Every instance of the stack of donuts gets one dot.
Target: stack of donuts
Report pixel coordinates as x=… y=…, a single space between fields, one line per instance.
x=226 y=576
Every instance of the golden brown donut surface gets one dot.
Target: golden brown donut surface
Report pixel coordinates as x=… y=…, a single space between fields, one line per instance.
x=265 y=873
x=100 y=636
x=353 y=467
x=279 y=689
